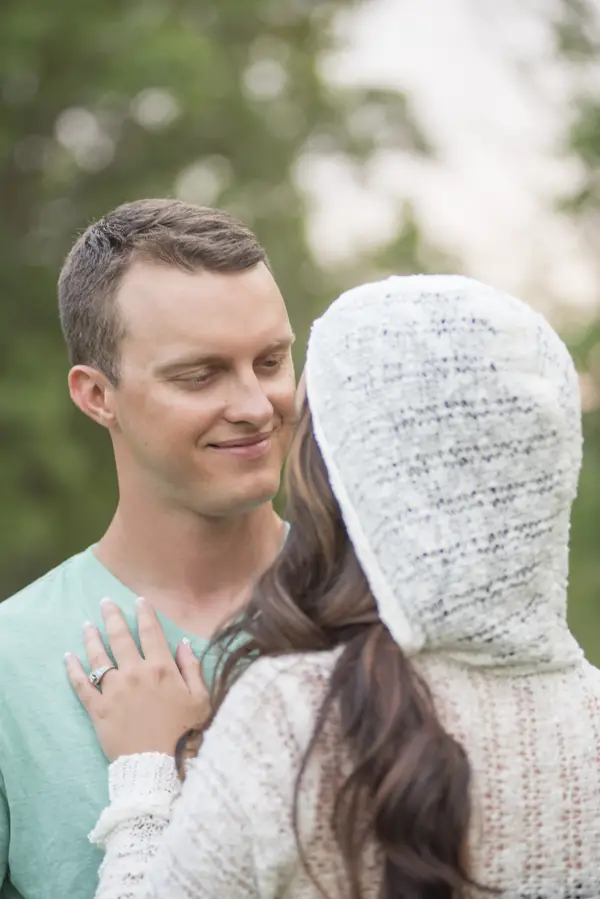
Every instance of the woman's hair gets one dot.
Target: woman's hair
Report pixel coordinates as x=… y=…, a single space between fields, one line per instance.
x=409 y=780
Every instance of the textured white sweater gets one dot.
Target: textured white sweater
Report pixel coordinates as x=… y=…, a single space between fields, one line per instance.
x=533 y=742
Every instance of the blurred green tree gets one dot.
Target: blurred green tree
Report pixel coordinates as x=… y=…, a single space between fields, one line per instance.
x=577 y=32
x=215 y=102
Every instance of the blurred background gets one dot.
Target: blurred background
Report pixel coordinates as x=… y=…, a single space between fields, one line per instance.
x=356 y=138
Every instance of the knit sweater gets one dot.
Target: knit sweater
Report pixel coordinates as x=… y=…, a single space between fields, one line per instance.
x=534 y=746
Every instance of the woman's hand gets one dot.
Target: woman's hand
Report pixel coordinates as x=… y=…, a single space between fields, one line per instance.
x=149 y=701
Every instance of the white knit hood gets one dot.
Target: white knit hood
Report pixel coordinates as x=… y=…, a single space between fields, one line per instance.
x=448 y=416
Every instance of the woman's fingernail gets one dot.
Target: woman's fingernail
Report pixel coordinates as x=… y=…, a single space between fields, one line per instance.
x=185 y=641
x=68 y=655
x=106 y=602
x=88 y=626
x=140 y=602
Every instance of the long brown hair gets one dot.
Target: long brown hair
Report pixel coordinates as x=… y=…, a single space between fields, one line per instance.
x=408 y=788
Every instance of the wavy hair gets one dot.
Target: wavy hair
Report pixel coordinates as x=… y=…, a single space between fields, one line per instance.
x=409 y=781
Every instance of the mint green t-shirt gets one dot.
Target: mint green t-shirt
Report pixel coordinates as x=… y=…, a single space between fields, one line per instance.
x=53 y=774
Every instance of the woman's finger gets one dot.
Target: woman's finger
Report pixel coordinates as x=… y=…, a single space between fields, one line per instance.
x=152 y=638
x=94 y=647
x=87 y=693
x=191 y=671
x=122 y=644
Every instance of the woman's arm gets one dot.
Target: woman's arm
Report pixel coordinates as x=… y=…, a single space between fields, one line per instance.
x=227 y=835
x=142 y=791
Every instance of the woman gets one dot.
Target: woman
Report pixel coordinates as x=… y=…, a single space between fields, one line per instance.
x=409 y=715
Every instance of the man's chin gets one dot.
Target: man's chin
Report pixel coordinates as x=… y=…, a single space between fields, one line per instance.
x=250 y=502
x=240 y=502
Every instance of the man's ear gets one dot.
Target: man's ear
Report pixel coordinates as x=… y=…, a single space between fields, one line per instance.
x=93 y=393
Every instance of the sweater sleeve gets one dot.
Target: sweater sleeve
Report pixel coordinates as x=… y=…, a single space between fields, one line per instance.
x=228 y=832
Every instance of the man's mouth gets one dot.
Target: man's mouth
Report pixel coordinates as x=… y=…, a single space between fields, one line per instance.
x=245 y=447
x=242 y=441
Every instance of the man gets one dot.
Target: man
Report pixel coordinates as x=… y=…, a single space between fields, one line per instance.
x=180 y=347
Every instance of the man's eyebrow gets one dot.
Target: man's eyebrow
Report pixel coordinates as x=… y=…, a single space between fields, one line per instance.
x=175 y=365
x=197 y=361
x=284 y=344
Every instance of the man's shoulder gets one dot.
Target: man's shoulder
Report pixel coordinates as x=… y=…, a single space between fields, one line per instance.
x=34 y=597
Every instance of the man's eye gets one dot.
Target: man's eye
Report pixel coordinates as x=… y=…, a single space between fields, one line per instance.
x=192 y=380
x=273 y=363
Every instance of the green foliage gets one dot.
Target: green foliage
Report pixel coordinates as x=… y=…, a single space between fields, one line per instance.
x=576 y=36
x=578 y=43
x=107 y=102
x=216 y=101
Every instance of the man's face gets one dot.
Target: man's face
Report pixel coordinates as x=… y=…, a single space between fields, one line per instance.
x=205 y=403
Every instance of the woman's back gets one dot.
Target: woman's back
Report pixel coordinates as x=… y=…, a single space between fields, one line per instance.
x=534 y=746
x=533 y=741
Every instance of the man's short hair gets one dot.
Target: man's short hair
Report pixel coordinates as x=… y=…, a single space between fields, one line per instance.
x=165 y=232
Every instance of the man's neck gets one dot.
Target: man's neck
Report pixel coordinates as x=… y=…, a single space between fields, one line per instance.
x=196 y=571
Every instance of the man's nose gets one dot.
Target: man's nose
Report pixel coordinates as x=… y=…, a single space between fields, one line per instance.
x=249 y=403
